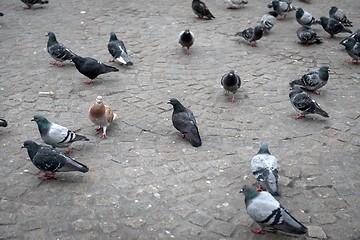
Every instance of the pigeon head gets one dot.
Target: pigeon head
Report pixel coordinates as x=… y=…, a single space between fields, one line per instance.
x=178 y=107
x=99 y=100
x=264 y=148
x=174 y=102
x=349 y=43
x=299 y=13
x=324 y=21
x=3 y=123
x=41 y=121
x=78 y=60
x=274 y=14
x=52 y=39
x=32 y=148
x=249 y=192
x=113 y=36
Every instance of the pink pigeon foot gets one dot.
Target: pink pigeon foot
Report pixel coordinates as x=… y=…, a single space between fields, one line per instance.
x=299 y=116
x=257 y=231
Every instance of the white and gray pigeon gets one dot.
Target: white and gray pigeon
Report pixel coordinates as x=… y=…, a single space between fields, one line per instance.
x=355 y=35
x=201 y=10
x=303 y=103
x=332 y=26
x=251 y=34
x=57 y=51
x=30 y=3
x=307 y=36
x=3 y=122
x=231 y=82
x=338 y=14
x=266 y=211
x=282 y=8
x=313 y=80
x=186 y=39
x=352 y=48
x=234 y=4
x=268 y=21
x=49 y=160
x=304 y=18
x=118 y=51
x=56 y=135
x=184 y=121
x=264 y=169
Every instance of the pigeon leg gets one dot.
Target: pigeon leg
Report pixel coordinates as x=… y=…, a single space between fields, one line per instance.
x=48 y=176
x=257 y=231
x=233 y=99
x=317 y=92
x=90 y=81
x=60 y=64
x=98 y=129
x=226 y=92
x=182 y=135
x=68 y=151
x=187 y=52
x=253 y=44
x=104 y=133
x=111 y=60
x=353 y=61
x=299 y=116
x=53 y=62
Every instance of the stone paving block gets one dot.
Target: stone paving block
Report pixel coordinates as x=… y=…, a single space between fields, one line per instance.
x=223 y=228
x=199 y=219
x=316 y=232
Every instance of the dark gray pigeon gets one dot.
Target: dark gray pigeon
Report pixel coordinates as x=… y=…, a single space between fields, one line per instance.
x=304 y=18
x=313 y=80
x=339 y=15
x=352 y=48
x=3 y=122
x=184 y=121
x=118 y=51
x=265 y=210
x=57 y=51
x=303 y=103
x=264 y=169
x=355 y=35
x=50 y=160
x=186 y=39
x=332 y=26
x=252 y=34
x=91 y=67
x=201 y=10
x=56 y=135
x=268 y=21
x=307 y=36
x=231 y=82
x=30 y=3
x=282 y=8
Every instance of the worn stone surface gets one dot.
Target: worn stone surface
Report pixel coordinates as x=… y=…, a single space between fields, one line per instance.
x=145 y=182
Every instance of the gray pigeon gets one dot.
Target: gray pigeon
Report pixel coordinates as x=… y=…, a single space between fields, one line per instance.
x=282 y=8
x=184 y=121
x=303 y=103
x=339 y=15
x=201 y=10
x=307 y=36
x=231 y=82
x=264 y=168
x=56 y=135
x=352 y=48
x=118 y=51
x=234 y=4
x=91 y=67
x=3 y=122
x=58 y=51
x=186 y=39
x=313 y=80
x=30 y=3
x=268 y=21
x=332 y=26
x=265 y=210
x=355 y=35
x=252 y=34
x=304 y=18
x=50 y=160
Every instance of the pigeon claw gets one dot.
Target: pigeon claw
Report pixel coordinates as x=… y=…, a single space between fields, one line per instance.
x=103 y=136
x=253 y=44
x=299 y=116
x=48 y=176
x=68 y=151
x=98 y=129
x=259 y=189
x=257 y=231
x=233 y=99
x=90 y=81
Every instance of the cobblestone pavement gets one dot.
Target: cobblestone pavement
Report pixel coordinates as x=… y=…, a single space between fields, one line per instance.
x=145 y=182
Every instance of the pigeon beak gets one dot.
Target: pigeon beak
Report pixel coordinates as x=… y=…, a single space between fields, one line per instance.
x=168 y=102
x=241 y=191
x=22 y=146
x=32 y=119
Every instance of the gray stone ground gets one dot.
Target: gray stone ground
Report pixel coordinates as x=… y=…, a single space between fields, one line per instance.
x=145 y=182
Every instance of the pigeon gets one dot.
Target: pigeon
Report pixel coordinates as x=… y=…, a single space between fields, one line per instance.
x=186 y=39
x=352 y=48
x=303 y=103
x=91 y=67
x=252 y=34
x=339 y=15
x=282 y=8
x=118 y=51
x=184 y=121
x=264 y=168
x=332 y=26
x=30 y=3
x=234 y=4
x=313 y=80
x=265 y=210
x=3 y=122
x=51 y=160
x=56 y=135
x=58 y=51
x=231 y=82
x=101 y=115
x=201 y=10
x=270 y=5
x=355 y=35
x=268 y=21
x=304 y=18
x=307 y=36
